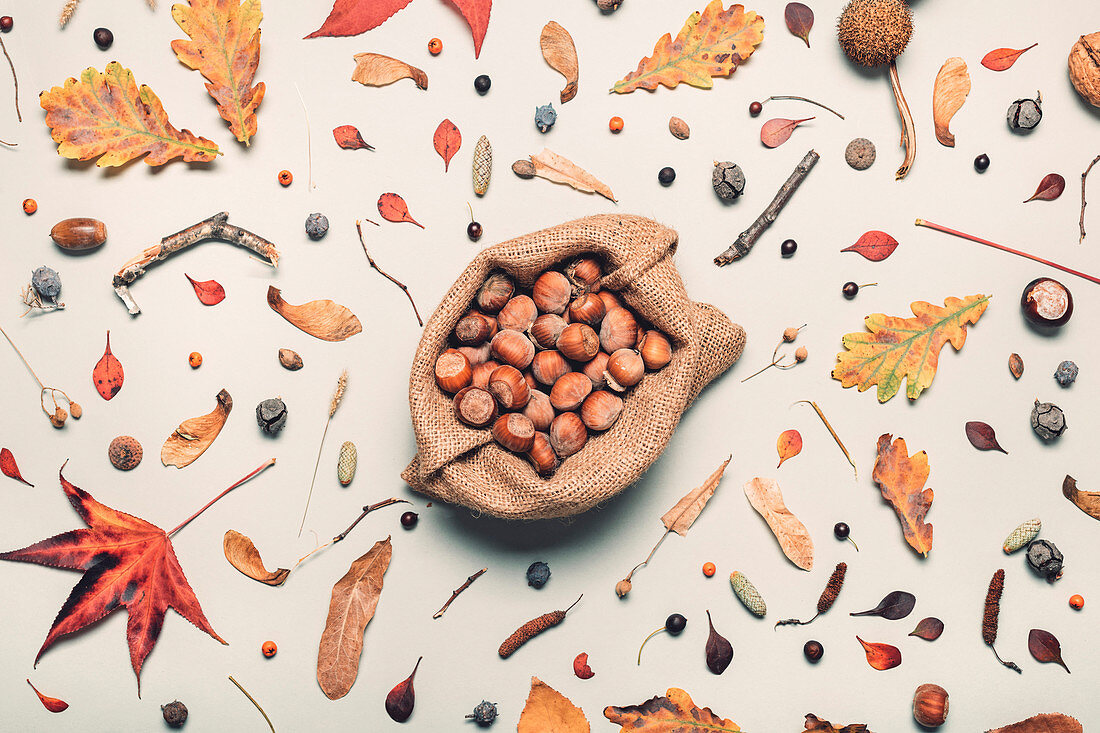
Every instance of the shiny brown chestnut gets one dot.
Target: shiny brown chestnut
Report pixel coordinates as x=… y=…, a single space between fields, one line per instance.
x=1047 y=303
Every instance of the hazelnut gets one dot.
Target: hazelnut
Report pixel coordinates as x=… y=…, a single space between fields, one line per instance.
x=546 y=329
x=578 y=342
x=600 y=410
x=569 y=391
x=625 y=368
x=472 y=330
x=452 y=371
x=290 y=360
x=552 y=292
x=518 y=314
x=655 y=349
x=481 y=372
x=584 y=275
x=540 y=411
x=515 y=432
x=476 y=354
x=588 y=308
x=124 y=453
x=567 y=434
x=495 y=293
x=930 y=705
x=508 y=386
x=1047 y=303
x=548 y=366
x=610 y=300
x=475 y=407
x=512 y=347
x=542 y=455
x=594 y=370
x=530 y=379
x=619 y=330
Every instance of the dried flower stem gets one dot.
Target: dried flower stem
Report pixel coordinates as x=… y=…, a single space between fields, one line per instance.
x=776 y=359
x=459 y=590
x=908 y=129
x=1083 y=203
x=210 y=503
x=10 y=145
x=832 y=432
x=309 y=136
x=43 y=389
x=253 y=701
x=385 y=274
x=986 y=242
x=366 y=510
x=803 y=99
x=337 y=397
x=14 y=77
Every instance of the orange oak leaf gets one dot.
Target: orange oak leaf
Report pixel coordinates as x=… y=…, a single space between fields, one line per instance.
x=673 y=713
x=107 y=116
x=901 y=477
x=447 y=141
x=107 y=374
x=126 y=562
x=224 y=48
x=712 y=43
x=895 y=348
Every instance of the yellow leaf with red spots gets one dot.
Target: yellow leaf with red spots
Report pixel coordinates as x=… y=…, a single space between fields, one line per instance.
x=788 y=445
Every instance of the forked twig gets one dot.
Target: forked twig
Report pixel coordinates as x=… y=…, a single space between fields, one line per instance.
x=14 y=77
x=366 y=510
x=459 y=590
x=385 y=274
x=803 y=99
x=1083 y=204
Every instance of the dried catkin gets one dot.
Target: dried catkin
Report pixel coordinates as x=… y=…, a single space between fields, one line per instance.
x=531 y=629
x=828 y=596
x=992 y=611
x=747 y=594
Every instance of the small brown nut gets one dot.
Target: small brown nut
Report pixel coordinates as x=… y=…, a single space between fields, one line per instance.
x=124 y=453
x=476 y=354
x=517 y=314
x=584 y=275
x=594 y=370
x=600 y=410
x=495 y=293
x=512 y=347
x=678 y=128
x=475 y=407
x=540 y=411
x=515 y=432
x=1084 y=67
x=545 y=330
x=508 y=386
x=578 y=342
x=549 y=366
x=542 y=455
x=619 y=330
x=1047 y=303
x=481 y=372
x=473 y=330
x=552 y=292
x=290 y=360
x=524 y=168
x=79 y=234
x=610 y=300
x=452 y=371
x=625 y=368
x=569 y=391
x=656 y=350
x=860 y=154
x=930 y=705
x=567 y=434
x=588 y=308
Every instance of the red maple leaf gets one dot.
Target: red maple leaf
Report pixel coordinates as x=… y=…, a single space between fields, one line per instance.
x=126 y=562
x=352 y=17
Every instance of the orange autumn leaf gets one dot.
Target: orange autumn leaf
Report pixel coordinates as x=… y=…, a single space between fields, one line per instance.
x=712 y=43
x=549 y=711
x=901 y=478
x=788 y=445
x=107 y=116
x=224 y=48
x=881 y=656
x=673 y=713
x=895 y=348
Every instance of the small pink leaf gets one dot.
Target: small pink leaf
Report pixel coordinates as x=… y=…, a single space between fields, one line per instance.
x=209 y=292
x=348 y=137
x=447 y=141
x=393 y=208
x=1003 y=58
x=10 y=469
x=1050 y=188
x=874 y=245
x=776 y=132
x=800 y=19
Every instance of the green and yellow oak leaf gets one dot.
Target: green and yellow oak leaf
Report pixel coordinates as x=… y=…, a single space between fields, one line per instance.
x=224 y=48
x=107 y=116
x=673 y=713
x=895 y=348
x=712 y=43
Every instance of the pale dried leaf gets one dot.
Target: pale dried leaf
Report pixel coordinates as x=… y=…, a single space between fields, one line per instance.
x=325 y=319
x=948 y=94
x=195 y=435
x=1086 y=501
x=1043 y=723
x=548 y=711
x=243 y=555
x=679 y=518
x=553 y=167
x=376 y=70
x=559 y=51
x=767 y=499
x=354 y=599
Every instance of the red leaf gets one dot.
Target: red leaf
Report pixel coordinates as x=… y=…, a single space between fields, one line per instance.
x=928 y=629
x=126 y=562
x=447 y=141
x=881 y=656
x=1044 y=646
x=874 y=245
x=800 y=19
x=476 y=13
x=393 y=208
x=400 y=701
x=348 y=137
x=352 y=17
x=581 y=668
x=50 y=703
x=1003 y=58
x=209 y=292
x=1050 y=188
x=982 y=436
x=108 y=374
x=9 y=469
x=776 y=132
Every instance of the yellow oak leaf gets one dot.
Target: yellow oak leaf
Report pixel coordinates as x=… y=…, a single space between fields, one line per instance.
x=549 y=711
x=224 y=48
x=673 y=713
x=895 y=348
x=901 y=478
x=712 y=43
x=107 y=116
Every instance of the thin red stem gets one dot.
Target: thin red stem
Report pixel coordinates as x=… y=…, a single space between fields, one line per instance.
x=187 y=521
x=1010 y=250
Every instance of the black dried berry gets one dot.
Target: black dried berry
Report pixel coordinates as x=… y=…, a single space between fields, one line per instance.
x=813 y=651
x=675 y=623
x=850 y=290
x=409 y=519
x=484 y=714
x=482 y=82
x=1044 y=558
x=175 y=714
x=666 y=175
x=271 y=415
x=981 y=163
x=103 y=38
x=788 y=247
x=537 y=574
x=473 y=231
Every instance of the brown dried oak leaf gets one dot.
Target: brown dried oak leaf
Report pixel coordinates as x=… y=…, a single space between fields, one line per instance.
x=900 y=477
x=673 y=713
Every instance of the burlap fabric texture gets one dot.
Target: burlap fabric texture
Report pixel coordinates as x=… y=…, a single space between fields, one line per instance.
x=463 y=465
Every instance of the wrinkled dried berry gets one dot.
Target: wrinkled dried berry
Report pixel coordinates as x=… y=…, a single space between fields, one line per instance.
x=1047 y=420
x=271 y=415
x=1044 y=558
x=175 y=714
x=1066 y=373
x=537 y=574
x=46 y=282
x=316 y=226
x=666 y=175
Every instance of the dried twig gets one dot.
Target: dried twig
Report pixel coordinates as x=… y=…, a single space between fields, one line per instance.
x=385 y=274
x=1083 y=204
x=832 y=432
x=253 y=701
x=216 y=227
x=747 y=238
x=14 y=77
x=337 y=398
x=802 y=99
x=10 y=145
x=309 y=136
x=366 y=510
x=457 y=591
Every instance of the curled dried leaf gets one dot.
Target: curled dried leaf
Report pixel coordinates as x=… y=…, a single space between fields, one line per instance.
x=559 y=51
x=376 y=70
x=581 y=668
x=243 y=555
x=1086 y=501
x=53 y=704
x=195 y=435
x=766 y=498
x=1043 y=723
x=325 y=319
x=815 y=723
x=948 y=95
x=901 y=478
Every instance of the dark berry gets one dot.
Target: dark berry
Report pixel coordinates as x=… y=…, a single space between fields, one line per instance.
x=537 y=574
x=850 y=289
x=981 y=163
x=409 y=519
x=6 y=23
x=103 y=38
x=755 y=109
x=175 y=714
x=841 y=530
x=666 y=175
x=473 y=231
x=788 y=247
x=813 y=650
x=482 y=83
x=675 y=623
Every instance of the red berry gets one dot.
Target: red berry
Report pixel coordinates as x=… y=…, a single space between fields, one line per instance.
x=1076 y=602
x=286 y=177
x=269 y=648
x=755 y=109
x=435 y=46
x=615 y=124
x=709 y=569
x=6 y=23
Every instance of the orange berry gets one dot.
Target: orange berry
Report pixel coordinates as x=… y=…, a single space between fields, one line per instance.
x=435 y=46
x=269 y=648
x=615 y=124
x=286 y=177
x=709 y=569
x=1076 y=602
x=195 y=360
x=29 y=206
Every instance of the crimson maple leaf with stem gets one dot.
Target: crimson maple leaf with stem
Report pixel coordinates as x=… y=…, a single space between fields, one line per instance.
x=126 y=561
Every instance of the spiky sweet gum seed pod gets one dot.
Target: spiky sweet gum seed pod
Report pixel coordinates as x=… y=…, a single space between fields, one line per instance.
x=1022 y=536
x=832 y=588
x=346 y=464
x=874 y=32
x=748 y=595
x=483 y=165
x=531 y=629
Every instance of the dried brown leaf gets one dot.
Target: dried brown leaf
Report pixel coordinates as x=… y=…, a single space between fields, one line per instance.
x=679 y=518
x=982 y=436
x=1044 y=646
x=767 y=499
x=1086 y=501
x=243 y=555
x=553 y=167
x=376 y=70
x=800 y=20
x=1050 y=188
x=195 y=435
x=928 y=629
x=948 y=95
x=559 y=51
x=901 y=478
x=1043 y=723
x=325 y=319
x=549 y=711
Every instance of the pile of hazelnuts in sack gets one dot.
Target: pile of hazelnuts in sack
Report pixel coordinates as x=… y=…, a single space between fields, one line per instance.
x=546 y=368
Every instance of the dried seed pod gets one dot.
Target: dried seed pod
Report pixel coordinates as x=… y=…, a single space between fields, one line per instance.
x=542 y=455
x=567 y=434
x=656 y=350
x=569 y=390
x=1044 y=558
x=991 y=614
x=524 y=168
x=1066 y=373
x=290 y=360
x=678 y=128
x=515 y=432
x=860 y=154
x=495 y=293
x=271 y=415
x=512 y=347
x=483 y=165
x=174 y=713
x=1047 y=420
x=550 y=366
x=539 y=410
x=728 y=180
x=828 y=596
x=625 y=368
x=452 y=371
x=551 y=292
x=518 y=314
x=531 y=629
x=1024 y=115
x=748 y=595
x=1016 y=365
x=124 y=453
x=347 y=462
x=619 y=329
x=578 y=342
x=545 y=117
x=76 y=410
x=79 y=234
x=600 y=410
x=546 y=329
x=508 y=386
x=1022 y=536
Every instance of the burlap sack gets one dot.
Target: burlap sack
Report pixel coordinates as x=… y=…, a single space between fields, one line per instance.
x=463 y=465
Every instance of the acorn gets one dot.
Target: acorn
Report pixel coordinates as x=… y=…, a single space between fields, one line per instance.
x=508 y=386
x=930 y=705
x=79 y=234
x=515 y=432
x=567 y=434
x=452 y=371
